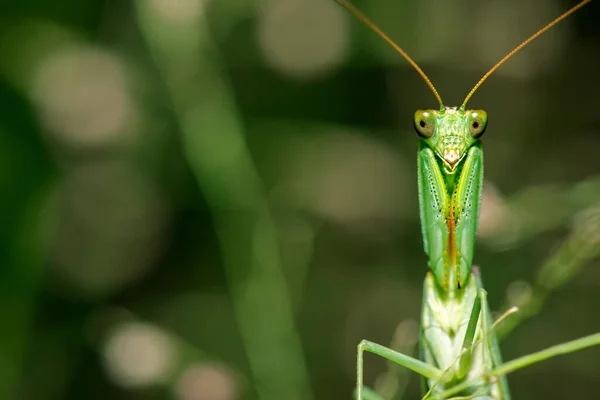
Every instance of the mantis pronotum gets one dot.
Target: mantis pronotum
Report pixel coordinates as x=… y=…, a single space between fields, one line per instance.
x=459 y=353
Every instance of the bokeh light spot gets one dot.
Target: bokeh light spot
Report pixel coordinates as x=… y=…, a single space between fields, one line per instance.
x=357 y=182
x=83 y=98
x=207 y=382
x=178 y=10
x=138 y=354
x=304 y=39
x=110 y=228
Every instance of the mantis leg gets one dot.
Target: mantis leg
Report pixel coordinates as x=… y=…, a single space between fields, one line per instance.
x=490 y=341
x=491 y=351
x=466 y=358
x=409 y=362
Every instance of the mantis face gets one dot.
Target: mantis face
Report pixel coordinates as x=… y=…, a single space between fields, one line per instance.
x=450 y=132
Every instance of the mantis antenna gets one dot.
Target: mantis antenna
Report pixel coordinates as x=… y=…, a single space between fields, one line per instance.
x=363 y=18
x=519 y=47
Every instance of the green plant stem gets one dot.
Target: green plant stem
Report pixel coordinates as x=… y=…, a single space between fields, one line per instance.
x=217 y=153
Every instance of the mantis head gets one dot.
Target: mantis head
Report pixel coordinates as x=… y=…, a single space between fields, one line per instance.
x=450 y=132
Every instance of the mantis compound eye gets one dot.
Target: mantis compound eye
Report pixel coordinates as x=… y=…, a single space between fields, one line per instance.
x=424 y=123
x=477 y=123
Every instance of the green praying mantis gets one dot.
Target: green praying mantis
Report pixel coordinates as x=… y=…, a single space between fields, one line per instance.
x=459 y=353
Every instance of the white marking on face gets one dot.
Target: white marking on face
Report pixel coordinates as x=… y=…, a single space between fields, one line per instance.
x=451 y=156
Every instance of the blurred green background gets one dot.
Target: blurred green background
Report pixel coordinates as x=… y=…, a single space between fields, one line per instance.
x=214 y=200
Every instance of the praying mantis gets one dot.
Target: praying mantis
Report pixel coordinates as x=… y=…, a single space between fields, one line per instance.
x=459 y=353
